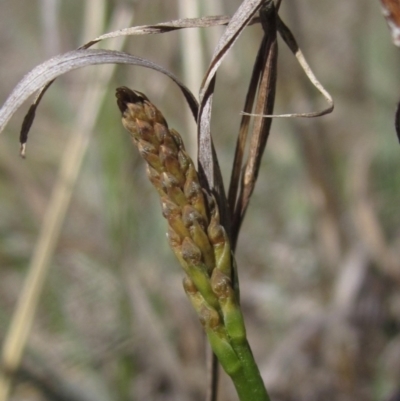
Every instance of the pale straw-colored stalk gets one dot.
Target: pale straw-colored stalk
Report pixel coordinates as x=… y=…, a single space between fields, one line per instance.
x=75 y=150
x=49 y=10
x=193 y=63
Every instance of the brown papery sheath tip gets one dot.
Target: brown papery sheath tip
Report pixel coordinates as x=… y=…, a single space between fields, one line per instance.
x=125 y=95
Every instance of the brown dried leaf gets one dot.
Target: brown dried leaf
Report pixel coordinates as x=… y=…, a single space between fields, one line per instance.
x=265 y=74
x=209 y=170
x=244 y=127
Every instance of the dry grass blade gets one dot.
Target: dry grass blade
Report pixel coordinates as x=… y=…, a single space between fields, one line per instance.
x=164 y=27
x=43 y=75
x=237 y=23
x=209 y=170
x=244 y=128
x=193 y=63
x=264 y=74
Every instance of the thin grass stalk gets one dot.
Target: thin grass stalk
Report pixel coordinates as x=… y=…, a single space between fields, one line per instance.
x=213 y=7
x=193 y=63
x=95 y=14
x=22 y=319
x=50 y=17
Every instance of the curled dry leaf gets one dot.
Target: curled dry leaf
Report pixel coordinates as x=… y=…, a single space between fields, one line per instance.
x=290 y=40
x=43 y=75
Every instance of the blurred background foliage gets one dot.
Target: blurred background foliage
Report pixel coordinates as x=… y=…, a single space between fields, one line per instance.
x=319 y=252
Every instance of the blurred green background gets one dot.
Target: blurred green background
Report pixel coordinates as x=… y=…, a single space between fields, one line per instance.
x=319 y=252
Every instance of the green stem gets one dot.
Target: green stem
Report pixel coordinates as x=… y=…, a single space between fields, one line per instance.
x=246 y=378
x=248 y=381
x=233 y=352
x=238 y=362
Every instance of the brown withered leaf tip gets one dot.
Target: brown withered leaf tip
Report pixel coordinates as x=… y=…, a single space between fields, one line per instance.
x=397 y=121
x=26 y=126
x=125 y=95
